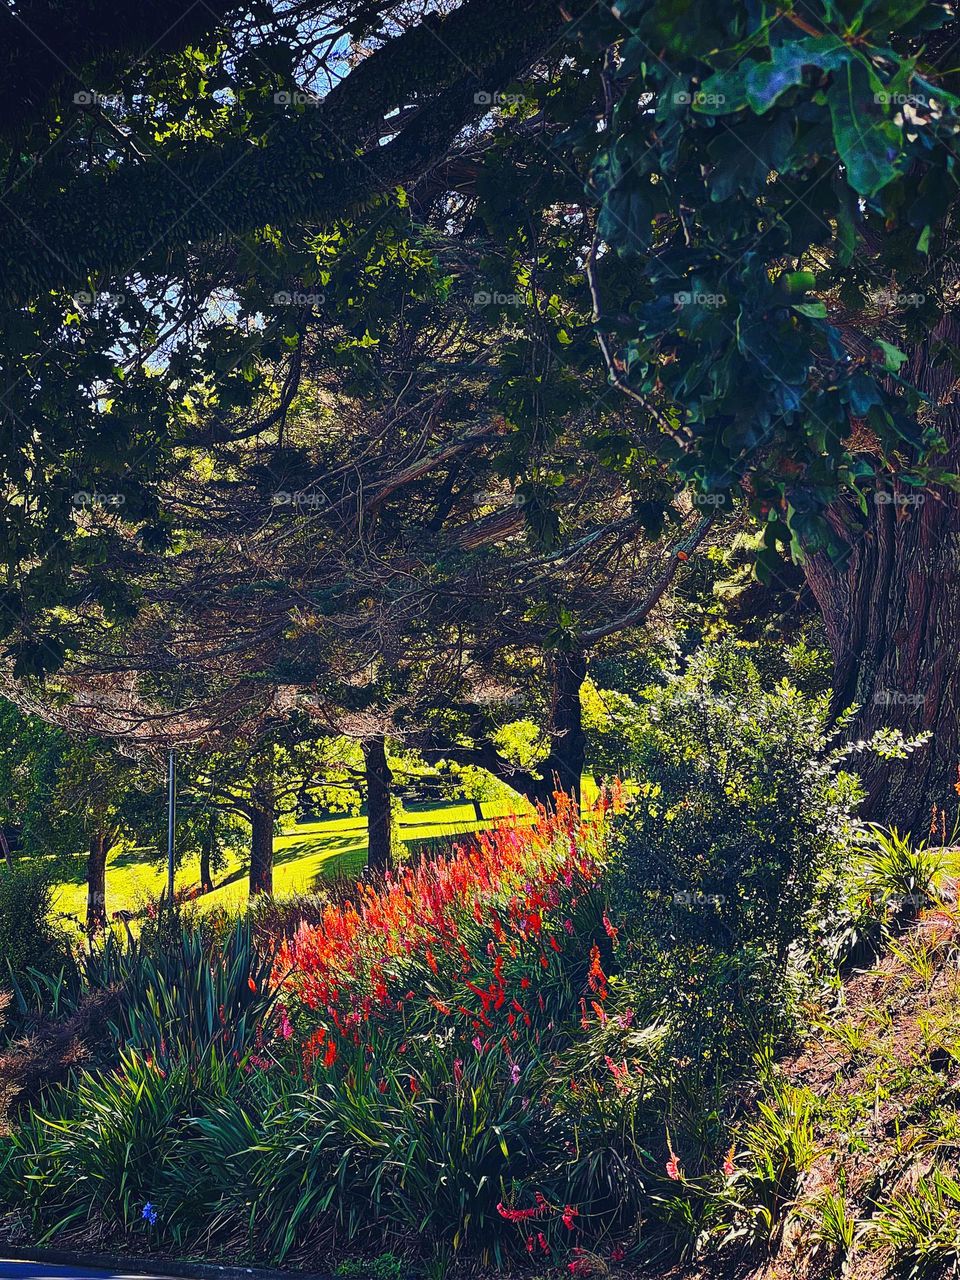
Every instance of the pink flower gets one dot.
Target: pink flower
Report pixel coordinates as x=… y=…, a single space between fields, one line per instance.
x=673 y=1168
x=457 y=1070
x=618 y=1254
x=477 y=1044
x=515 y=1072
x=728 y=1166
x=286 y=1026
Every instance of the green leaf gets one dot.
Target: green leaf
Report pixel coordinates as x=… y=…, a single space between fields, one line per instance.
x=870 y=148
x=767 y=82
x=893 y=356
x=795 y=282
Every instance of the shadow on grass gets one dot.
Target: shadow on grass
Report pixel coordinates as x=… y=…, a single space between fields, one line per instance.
x=329 y=846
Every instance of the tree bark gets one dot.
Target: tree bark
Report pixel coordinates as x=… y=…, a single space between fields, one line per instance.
x=379 y=812
x=206 y=879
x=261 y=849
x=891 y=609
x=97 y=883
x=5 y=848
x=563 y=768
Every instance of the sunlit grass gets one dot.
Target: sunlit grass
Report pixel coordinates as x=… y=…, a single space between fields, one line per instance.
x=304 y=856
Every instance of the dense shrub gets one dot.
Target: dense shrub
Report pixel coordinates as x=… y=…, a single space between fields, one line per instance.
x=27 y=938
x=740 y=808
x=187 y=990
x=741 y=819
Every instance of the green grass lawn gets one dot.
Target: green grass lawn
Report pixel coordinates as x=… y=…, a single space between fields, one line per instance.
x=304 y=856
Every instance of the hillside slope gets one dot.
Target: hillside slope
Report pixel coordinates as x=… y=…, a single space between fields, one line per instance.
x=878 y=1084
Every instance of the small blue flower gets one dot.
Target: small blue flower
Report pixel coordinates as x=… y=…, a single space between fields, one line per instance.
x=149 y=1213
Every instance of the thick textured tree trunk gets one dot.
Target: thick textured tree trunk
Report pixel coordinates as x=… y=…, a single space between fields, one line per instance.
x=263 y=816
x=261 y=850
x=892 y=615
x=379 y=815
x=563 y=767
x=97 y=883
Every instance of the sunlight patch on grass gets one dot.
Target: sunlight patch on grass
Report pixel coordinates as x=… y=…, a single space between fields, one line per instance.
x=304 y=856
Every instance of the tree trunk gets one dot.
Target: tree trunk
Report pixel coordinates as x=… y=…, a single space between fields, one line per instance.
x=562 y=770
x=563 y=767
x=379 y=813
x=5 y=848
x=892 y=615
x=261 y=850
x=206 y=879
x=97 y=883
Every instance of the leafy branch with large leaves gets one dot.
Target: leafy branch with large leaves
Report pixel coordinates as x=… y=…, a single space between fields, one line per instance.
x=770 y=167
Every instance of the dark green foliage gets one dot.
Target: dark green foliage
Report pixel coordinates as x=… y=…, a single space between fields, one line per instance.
x=187 y=990
x=740 y=819
x=743 y=166
x=739 y=809
x=27 y=939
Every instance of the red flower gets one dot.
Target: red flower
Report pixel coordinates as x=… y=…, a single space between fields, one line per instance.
x=517 y=1215
x=251 y=984
x=673 y=1168
x=618 y=1254
x=569 y=1213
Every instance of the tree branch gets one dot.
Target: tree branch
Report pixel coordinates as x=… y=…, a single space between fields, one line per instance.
x=312 y=169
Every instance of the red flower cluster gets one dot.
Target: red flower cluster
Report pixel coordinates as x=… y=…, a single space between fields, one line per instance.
x=478 y=929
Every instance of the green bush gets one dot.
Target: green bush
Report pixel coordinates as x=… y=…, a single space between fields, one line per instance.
x=739 y=825
x=27 y=938
x=740 y=808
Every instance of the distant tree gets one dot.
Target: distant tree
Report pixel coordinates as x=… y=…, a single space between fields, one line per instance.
x=68 y=796
x=289 y=768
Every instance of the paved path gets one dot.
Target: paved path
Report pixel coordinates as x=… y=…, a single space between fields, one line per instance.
x=47 y=1271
